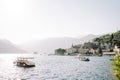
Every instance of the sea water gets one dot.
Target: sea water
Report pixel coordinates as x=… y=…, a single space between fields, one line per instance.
x=56 y=68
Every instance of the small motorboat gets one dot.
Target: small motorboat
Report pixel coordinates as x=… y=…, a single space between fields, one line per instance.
x=24 y=62
x=82 y=58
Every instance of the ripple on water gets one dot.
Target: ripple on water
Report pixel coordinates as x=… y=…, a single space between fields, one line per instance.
x=60 y=68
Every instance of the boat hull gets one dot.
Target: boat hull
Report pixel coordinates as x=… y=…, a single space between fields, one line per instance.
x=24 y=65
x=85 y=59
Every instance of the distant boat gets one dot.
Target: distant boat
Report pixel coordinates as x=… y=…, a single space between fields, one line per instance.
x=100 y=55
x=82 y=58
x=24 y=62
x=111 y=59
x=35 y=52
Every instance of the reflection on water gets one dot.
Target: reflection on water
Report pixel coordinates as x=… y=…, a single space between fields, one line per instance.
x=56 y=68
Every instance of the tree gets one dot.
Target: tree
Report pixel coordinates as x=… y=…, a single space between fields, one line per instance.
x=60 y=51
x=100 y=52
x=116 y=66
x=116 y=38
x=111 y=42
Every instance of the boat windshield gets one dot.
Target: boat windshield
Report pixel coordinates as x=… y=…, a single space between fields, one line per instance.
x=25 y=58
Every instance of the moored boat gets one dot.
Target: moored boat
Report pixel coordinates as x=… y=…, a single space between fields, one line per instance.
x=24 y=62
x=82 y=58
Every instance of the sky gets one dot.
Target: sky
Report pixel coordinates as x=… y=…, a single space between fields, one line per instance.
x=24 y=20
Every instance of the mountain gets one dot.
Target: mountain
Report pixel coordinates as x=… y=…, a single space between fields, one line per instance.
x=88 y=37
x=8 y=47
x=50 y=44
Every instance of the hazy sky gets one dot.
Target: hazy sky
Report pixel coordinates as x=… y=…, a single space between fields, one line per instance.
x=22 y=20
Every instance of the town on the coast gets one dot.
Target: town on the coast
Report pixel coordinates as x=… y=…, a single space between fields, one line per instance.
x=108 y=44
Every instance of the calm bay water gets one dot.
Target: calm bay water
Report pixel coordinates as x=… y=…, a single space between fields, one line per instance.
x=56 y=68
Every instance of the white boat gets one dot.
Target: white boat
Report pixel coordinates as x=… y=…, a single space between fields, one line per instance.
x=24 y=62
x=82 y=58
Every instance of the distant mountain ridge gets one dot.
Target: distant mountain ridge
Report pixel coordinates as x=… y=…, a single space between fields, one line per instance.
x=88 y=37
x=8 y=47
x=50 y=44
